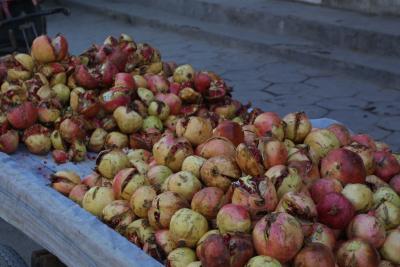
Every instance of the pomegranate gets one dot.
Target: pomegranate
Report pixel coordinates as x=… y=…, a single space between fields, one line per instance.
x=141 y=199
x=97 y=140
x=341 y=133
x=285 y=179
x=164 y=241
x=273 y=152
x=360 y=196
x=321 y=233
x=344 y=165
x=163 y=207
x=263 y=261
x=72 y=129
x=391 y=247
x=140 y=81
x=124 y=80
x=64 y=181
x=255 y=194
x=269 y=123
x=194 y=264
x=171 y=152
x=368 y=228
x=278 y=235
x=114 y=98
x=231 y=131
x=128 y=121
x=335 y=210
x=77 y=151
x=116 y=140
x=248 y=158
x=193 y=164
x=77 y=193
x=321 y=141
x=184 y=73
x=180 y=257
x=366 y=154
x=233 y=218
x=23 y=116
x=195 y=129
x=118 y=215
x=297 y=126
x=219 y=172
x=386 y=193
x=386 y=165
x=208 y=201
x=364 y=140
x=87 y=78
x=110 y=162
x=323 y=186
x=250 y=134
x=314 y=255
x=157 y=83
x=19 y=67
x=157 y=175
x=140 y=233
x=395 y=183
x=229 y=250
x=298 y=205
x=388 y=214
x=158 y=109
x=357 y=252
x=9 y=141
x=187 y=227
x=172 y=100
x=45 y=50
x=202 y=82
x=37 y=139
x=96 y=199
x=92 y=179
x=374 y=182
x=126 y=181
x=381 y=146
x=216 y=146
x=184 y=183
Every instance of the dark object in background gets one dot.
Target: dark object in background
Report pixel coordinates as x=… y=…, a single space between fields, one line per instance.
x=21 y=21
x=43 y=258
x=10 y=258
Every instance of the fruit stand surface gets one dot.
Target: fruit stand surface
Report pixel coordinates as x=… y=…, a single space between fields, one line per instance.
x=58 y=224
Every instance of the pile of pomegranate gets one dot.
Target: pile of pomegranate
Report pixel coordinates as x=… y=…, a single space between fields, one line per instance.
x=192 y=176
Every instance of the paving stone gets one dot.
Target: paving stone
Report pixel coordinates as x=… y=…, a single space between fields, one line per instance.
x=333 y=103
x=335 y=87
x=390 y=123
x=357 y=120
x=394 y=141
x=289 y=88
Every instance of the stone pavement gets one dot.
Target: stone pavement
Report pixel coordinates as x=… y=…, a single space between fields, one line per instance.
x=270 y=83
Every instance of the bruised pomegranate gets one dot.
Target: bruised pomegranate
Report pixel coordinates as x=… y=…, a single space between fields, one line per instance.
x=219 y=172
x=208 y=201
x=172 y=100
x=248 y=158
x=388 y=214
x=163 y=207
x=180 y=257
x=364 y=140
x=343 y=165
x=321 y=233
x=109 y=163
x=164 y=241
x=118 y=215
x=360 y=196
x=114 y=98
x=72 y=129
x=297 y=126
x=202 y=82
x=314 y=255
x=45 y=50
x=140 y=201
x=232 y=250
x=335 y=210
x=78 y=192
x=366 y=154
x=368 y=228
x=263 y=261
x=395 y=183
x=64 y=181
x=37 y=139
x=357 y=252
x=321 y=141
x=341 y=133
x=386 y=165
x=9 y=141
x=233 y=218
x=298 y=205
x=193 y=164
x=256 y=194
x=269 y=122
x=126 y=181
x=157 y=175
x=285 y=179
x=323 y=186
x=278 y=235
x=171 y=151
